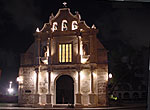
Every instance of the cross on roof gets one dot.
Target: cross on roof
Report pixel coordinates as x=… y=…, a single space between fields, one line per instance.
x=65 y=4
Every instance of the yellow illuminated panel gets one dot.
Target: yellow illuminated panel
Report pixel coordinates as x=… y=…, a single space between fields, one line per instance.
x=70 y=55
x=65 y=53
x=59 y=53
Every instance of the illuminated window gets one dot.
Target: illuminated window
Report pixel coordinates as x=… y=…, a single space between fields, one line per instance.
x=74 y=25
x=64 y=25
x=54 y=28
x=65 y=53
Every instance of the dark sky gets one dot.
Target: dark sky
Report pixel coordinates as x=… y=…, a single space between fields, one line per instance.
x=118 y=23
x=20 y=18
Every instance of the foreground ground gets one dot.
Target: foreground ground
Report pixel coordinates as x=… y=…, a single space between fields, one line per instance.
x=13 y=106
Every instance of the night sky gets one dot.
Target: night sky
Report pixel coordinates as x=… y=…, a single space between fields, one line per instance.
x=119 y=23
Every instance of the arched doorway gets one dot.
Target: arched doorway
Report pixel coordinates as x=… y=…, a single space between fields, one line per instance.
x=64 y=90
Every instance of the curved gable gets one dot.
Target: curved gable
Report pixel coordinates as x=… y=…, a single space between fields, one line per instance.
x=64 y=14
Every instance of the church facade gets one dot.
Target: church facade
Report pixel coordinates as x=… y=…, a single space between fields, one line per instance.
x=66 y=64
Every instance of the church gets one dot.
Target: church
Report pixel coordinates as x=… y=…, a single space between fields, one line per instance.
x=66 y=64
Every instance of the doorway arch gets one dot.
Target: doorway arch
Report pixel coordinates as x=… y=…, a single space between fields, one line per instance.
x=65 y=90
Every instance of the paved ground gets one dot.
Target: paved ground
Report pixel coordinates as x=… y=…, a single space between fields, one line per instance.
x=6 y=106
x=108 y=108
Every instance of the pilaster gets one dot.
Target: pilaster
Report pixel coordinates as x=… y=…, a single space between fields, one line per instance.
x=35 y=99
x=78 y=95
x=48 y=96
x=92 y=99
x=78 y=99
x=48 y=100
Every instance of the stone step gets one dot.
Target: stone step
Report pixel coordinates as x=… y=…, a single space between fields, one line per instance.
x=62 y=105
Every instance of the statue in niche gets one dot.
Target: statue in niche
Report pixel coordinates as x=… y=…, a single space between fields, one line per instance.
x=44 y=51
x=85 y=49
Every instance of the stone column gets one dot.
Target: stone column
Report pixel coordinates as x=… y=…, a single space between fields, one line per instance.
x=49 y=57
x=78 y=81
x=36 y=95
x=38 y=51
x=37 y=80
x=92 y=88
x=79 y=57
x=49 y=81
x=20 y=93
x=92 y=95
x=48 y=96
x=78 y=95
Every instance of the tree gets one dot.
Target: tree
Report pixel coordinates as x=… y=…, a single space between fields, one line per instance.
x=124 y=63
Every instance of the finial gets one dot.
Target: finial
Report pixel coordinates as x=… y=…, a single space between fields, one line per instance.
x=78 y=15
x=76 y=12
x=93 y=26
x=37 y=30
x=52 y=16
x=65 y=4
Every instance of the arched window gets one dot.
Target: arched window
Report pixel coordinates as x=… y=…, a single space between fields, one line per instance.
x=55 y=25
x=135 y=95
x=143 y=95
x=74 y=25
x=64 y=25
x=126 y=95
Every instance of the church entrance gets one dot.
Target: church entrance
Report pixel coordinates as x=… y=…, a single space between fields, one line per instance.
x=65 y=90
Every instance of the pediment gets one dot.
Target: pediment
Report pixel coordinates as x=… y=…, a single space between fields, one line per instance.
x=64 y=13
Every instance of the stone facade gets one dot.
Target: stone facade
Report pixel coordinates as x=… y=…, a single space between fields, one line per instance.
x=65 y=46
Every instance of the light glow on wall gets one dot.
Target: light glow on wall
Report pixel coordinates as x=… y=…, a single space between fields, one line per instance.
x=52 y=51
x=34 y=76
x=53 y=76
x=44 y=60
x=82 y=75
x=76 y=75
x=94 y=75
x=40 y=77
x=83 y=58
x=20 y=79
x=106 y=76
x=47 y=51
x=81 y=45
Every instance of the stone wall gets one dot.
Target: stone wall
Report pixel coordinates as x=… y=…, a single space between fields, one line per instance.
x=85 y=85
x=27 y=89
x=102 y=79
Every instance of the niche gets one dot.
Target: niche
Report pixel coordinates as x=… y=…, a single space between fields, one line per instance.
x=85 y=49
x=44 y=51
